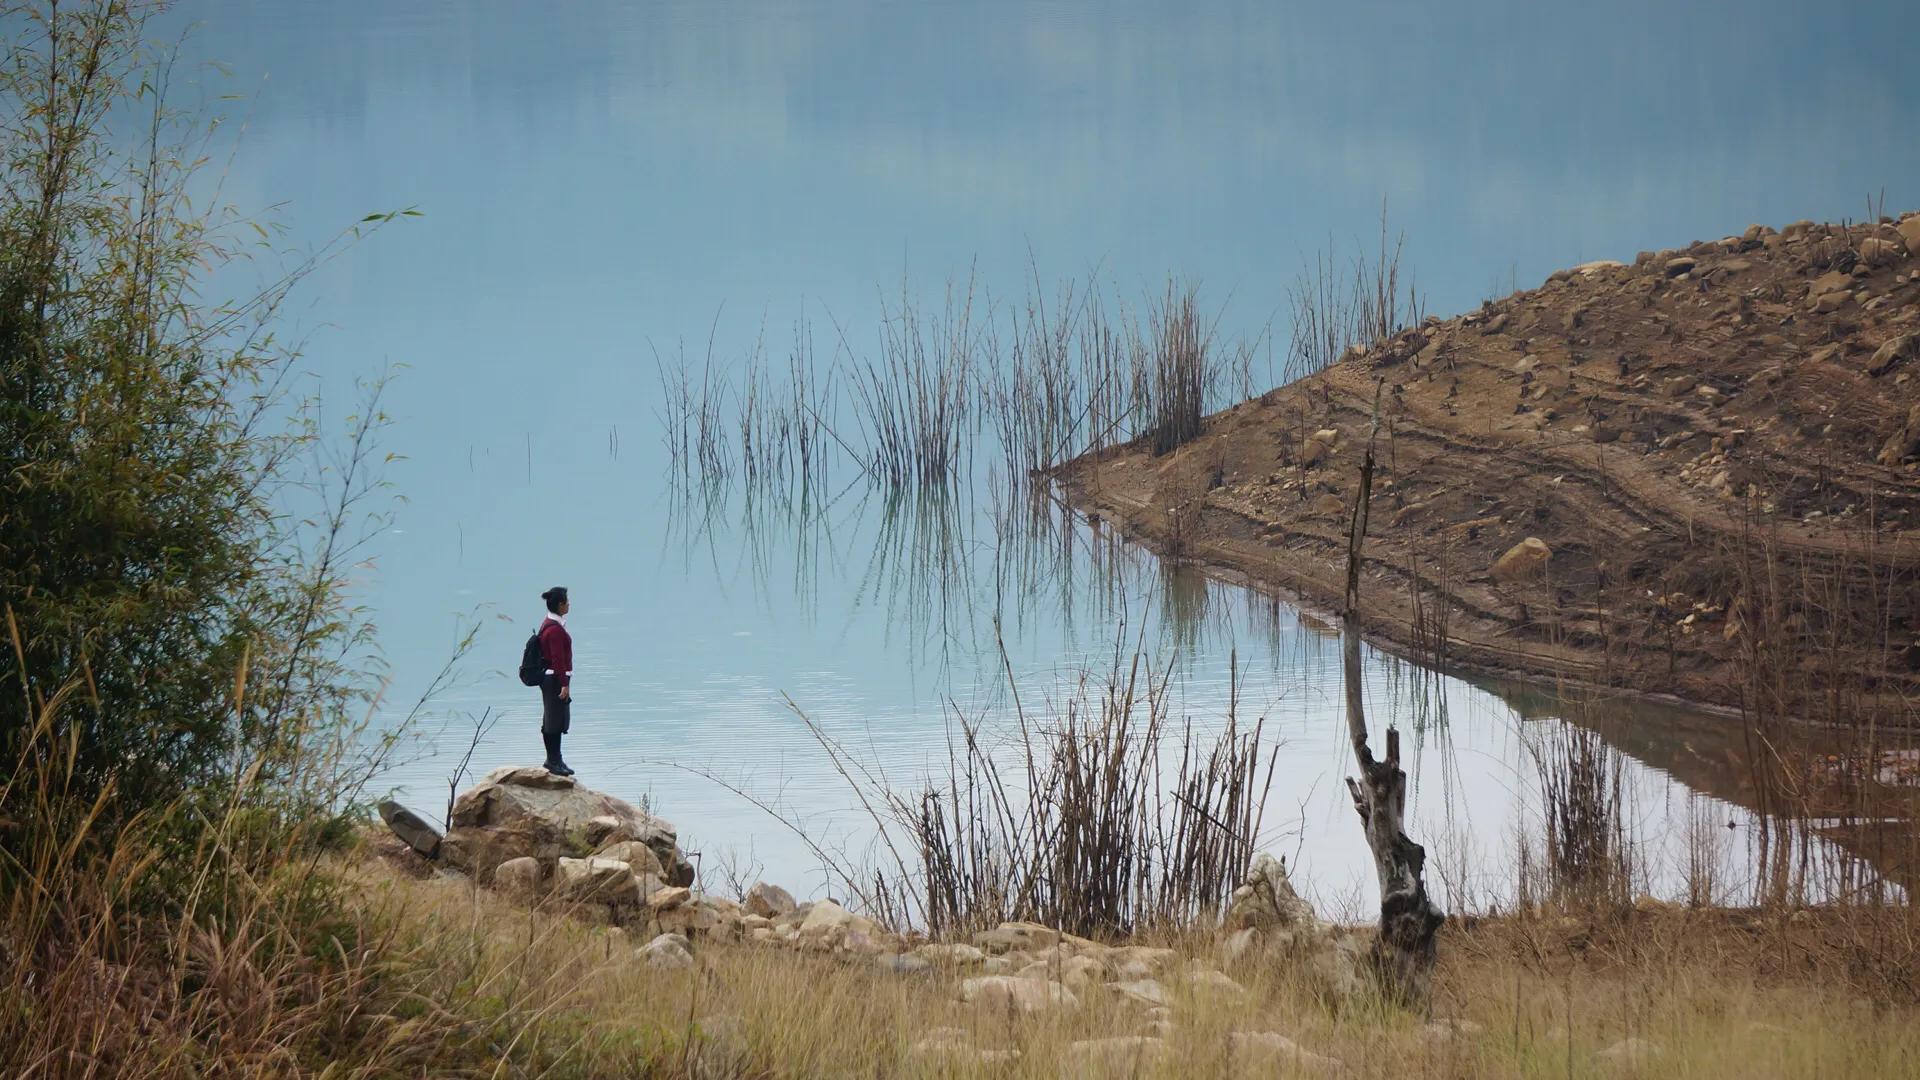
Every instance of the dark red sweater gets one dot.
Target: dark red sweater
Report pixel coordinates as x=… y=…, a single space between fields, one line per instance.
x=557 y=646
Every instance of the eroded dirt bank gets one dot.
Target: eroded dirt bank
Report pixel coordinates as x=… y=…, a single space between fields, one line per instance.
x=1717 y=446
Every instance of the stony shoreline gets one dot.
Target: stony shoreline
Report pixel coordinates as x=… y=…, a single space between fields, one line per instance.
x=546 y=842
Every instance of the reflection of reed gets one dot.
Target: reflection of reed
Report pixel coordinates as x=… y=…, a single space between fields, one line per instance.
x=918 y=571
x=769 y=527
x=1586 y=855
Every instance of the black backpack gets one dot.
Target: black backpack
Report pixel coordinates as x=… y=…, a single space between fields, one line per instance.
x=533 y=661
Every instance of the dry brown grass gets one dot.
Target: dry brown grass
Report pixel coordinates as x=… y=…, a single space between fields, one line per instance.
x=1723 y=994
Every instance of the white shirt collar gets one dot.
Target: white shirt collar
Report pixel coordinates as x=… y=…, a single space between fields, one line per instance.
x=561 y=619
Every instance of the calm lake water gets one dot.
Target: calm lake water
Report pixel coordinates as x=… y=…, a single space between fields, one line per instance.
x=605 y=182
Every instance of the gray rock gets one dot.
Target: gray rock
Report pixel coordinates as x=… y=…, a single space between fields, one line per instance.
x=952 y=955
x=1881 y=251
x=668 y=952
x=417 y=831
x=769 y=901
x=907 y=964
x=635 y=854
x=1523 y=561
x=522 y=878
x=1909 y=230
x=517 y=812
x=1266 y=900
x=595 y=880
x=1905 y=347
x=1144 y=991
x=1008 y=992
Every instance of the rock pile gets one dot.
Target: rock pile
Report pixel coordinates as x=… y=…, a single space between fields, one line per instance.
x=546 y=840
x=1269 y=923
x=541 y=839
x=530 y=813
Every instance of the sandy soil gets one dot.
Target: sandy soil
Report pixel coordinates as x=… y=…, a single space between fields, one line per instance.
x=1718 y=446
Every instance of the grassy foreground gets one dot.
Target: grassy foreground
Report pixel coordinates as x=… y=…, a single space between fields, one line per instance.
x=1708 y=993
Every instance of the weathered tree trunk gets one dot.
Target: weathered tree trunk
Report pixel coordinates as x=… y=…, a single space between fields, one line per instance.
x=1403 y=953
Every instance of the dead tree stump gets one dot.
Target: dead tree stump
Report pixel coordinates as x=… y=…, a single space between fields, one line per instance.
x=1403 y=952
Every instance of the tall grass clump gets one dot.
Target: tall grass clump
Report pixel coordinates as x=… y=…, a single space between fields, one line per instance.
x=1586 y=855
x=1338 y=306
x=916 y=402
x=1179 y=379
x=182 y=684
x=1100 y=816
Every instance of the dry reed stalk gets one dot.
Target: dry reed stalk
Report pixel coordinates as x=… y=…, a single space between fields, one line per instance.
x=1074 y=821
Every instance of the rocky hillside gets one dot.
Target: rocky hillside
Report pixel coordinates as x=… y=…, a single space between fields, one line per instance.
x=1698 y=474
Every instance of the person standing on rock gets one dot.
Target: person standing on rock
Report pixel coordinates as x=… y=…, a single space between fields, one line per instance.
x=556 y=685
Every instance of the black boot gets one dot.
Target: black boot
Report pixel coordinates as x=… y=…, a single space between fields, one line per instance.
x=553 y=764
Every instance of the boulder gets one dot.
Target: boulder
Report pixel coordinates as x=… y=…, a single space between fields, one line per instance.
x=667 y=952
x=1894 y=350
x=1832 y=302
x=828 y=926
x=1032 y=937
x=903 y=964
x=1680 y=265
x=1145 y=959
x=1076 y=971
x=952 y=955
x=516 y=812
x=1523 y=561
x=669 y=898
x=1266 y=900
x=419 y=833
x=635 y=854
x=1014 y=994
x=522 y=878
x=694 y=914
x=769 y=901
x=1144 y=991
x=595 y=880
x=1270 y=923
x=1909 y=230
x=1881 y=251
x=1832 y=282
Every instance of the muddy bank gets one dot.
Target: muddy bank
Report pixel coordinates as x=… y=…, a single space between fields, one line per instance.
x=1697 y=476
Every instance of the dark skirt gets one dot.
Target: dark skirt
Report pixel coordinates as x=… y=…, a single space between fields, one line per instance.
x=556 y=713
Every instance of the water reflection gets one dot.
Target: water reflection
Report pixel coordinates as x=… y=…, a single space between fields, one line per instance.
x=607 y=180
x=963 y=581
